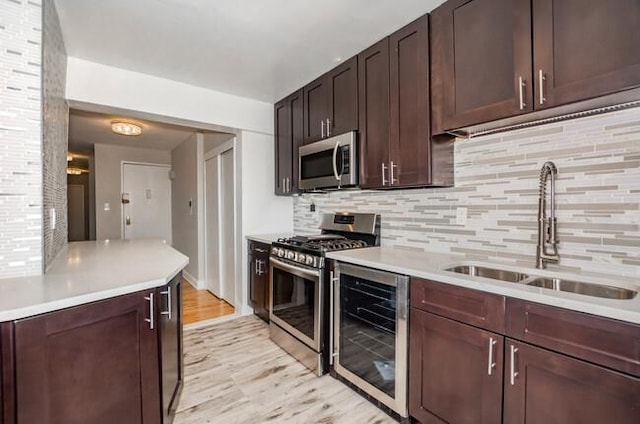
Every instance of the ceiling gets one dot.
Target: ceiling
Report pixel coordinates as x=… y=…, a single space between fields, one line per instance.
x=252 y=48
x=88 y=128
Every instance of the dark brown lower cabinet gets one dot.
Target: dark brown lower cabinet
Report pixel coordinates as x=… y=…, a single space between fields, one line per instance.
x=170 y=327
x=259 y=279
x=460 y=373
x=455 y=371
x=95 y=363
x=544 y=387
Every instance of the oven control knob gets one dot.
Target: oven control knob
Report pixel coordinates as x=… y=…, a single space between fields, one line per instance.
x=310 y=260
x=280 y=253
x=290 y=255
x=301 y=258
x=274 y=251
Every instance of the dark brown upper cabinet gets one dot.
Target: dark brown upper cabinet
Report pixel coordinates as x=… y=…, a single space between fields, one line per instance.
x=288 y=138
x=331 y=103
x=481 y=61
x=497 y=59
x=584 y=49
x=395 y=143
x=373 y=81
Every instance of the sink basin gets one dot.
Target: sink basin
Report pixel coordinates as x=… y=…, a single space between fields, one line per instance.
x=587 y=289
x=495 y=274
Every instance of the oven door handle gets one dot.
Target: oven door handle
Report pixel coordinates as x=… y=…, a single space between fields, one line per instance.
x=294 y=269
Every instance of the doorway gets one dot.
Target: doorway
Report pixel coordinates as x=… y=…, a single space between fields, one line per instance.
x=146 y=201
x=77 y=212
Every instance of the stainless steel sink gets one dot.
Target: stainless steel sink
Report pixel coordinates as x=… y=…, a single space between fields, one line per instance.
x=587 y=289
x=495 y=274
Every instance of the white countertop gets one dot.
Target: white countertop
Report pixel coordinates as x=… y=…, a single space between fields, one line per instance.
x=89 y=271
x=431 y=265
x=269 y=238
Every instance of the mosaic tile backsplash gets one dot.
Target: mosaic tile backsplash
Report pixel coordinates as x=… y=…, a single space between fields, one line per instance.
x=20 y=138
x=55 y=133
x=496 y=180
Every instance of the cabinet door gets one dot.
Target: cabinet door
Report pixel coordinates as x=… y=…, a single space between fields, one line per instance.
x=455 y=371
x=409 y=128
x=542 y=387
x=95 y=363
x=584 y=49
x=259 y=279
x=343 y=97
x=171 y=357
x=283 y=147
x=480 y=50
x=316 y=110
x=288 y=138
x=373 y=107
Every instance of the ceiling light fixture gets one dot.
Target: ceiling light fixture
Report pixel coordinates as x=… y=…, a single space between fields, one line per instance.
x=125 y=128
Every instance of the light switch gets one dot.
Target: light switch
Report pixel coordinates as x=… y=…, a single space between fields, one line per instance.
x=107 y=207
x=147 y=193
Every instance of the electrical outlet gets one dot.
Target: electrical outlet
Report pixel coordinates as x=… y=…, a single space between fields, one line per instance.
x=312 y=207
x=52 y=218
x=461 y=216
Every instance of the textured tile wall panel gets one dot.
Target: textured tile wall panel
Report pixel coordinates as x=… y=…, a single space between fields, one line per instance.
x=55 y=136
x=20 y=138
x=496 y=179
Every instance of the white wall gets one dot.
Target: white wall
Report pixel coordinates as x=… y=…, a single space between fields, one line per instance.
x=184 y=188
x=108 y=177
x=93 y=83
x=262 y=211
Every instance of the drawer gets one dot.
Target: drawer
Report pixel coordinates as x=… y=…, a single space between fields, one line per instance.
x=473 y=307
x=604 y=341
x=259 y=249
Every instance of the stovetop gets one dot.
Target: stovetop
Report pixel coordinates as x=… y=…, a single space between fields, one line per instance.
x=321 y=243
x=340 y=231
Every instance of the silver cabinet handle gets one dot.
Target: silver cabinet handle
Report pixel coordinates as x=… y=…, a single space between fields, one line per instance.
x=541 y=80
x=521 y=84
x=491 y=365
x=328 y=127
x=286 y=185
x=260 y=267
x=322 y=128
x=167 y=293
x=151 y=319
x=392 y=179
x=513 y=374
x=260 y=250
x=384 y=168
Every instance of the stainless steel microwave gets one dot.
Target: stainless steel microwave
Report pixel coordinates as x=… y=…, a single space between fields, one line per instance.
x=330 y=163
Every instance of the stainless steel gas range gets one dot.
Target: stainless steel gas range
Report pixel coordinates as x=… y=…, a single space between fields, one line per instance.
x=300 y=285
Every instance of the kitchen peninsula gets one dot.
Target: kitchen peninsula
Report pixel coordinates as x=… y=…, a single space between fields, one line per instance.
x=96 y=339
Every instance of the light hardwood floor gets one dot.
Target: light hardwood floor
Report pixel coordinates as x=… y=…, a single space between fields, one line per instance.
x=201 y=305
x=234 y=374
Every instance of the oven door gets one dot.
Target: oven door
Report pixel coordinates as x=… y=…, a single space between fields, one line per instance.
x=296 y=295
x=370 y=342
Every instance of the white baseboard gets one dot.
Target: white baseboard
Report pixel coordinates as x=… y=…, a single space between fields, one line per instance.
x=198 y=285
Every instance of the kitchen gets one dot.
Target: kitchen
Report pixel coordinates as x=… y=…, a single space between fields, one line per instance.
x=489 y=214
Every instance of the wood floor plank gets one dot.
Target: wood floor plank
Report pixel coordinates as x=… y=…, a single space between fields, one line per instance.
x=235 y=374
x=201 y=305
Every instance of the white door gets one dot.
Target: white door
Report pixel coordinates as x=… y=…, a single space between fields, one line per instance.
x=227 y=227
x=76 y=212
x=146 y=201
x=212 y=225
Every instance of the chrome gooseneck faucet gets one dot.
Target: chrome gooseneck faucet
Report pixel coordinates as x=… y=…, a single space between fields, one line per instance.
x=547 y=231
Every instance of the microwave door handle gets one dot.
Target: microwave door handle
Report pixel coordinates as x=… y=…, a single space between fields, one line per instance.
x=335 y=156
